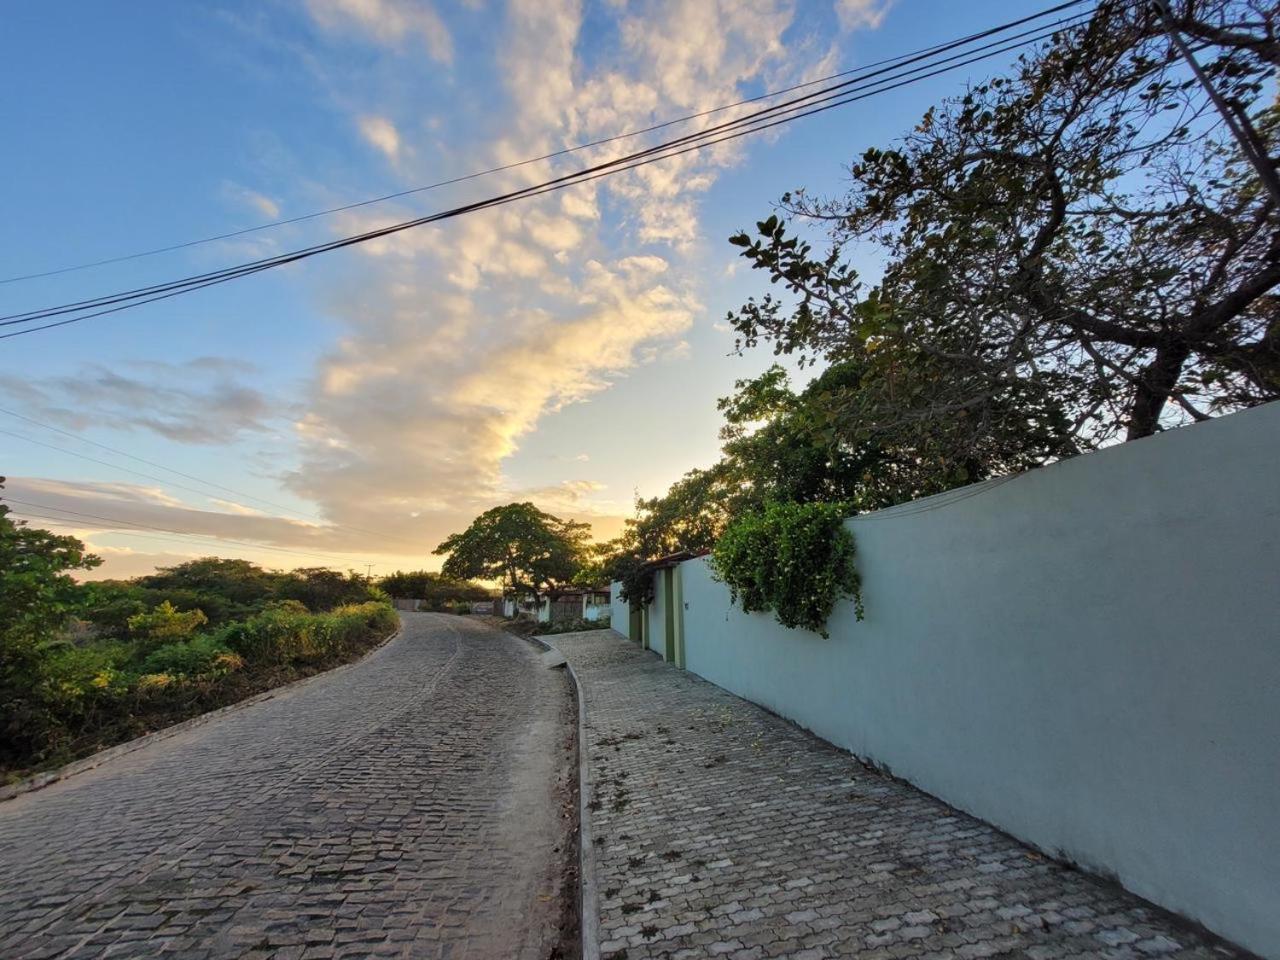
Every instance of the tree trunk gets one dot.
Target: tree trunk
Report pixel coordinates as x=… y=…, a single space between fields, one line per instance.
x=1154 y=388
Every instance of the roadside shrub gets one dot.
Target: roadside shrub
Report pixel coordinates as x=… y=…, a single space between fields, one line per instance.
x=796 y=559
x=164 y=624
x=199 y=656
x=320 y=589
x=75 y=699
x=287 y=633
x=576 y=625
x=277 y=635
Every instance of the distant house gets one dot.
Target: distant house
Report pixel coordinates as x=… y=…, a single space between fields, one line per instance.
x=577 y=603
x=657 y=625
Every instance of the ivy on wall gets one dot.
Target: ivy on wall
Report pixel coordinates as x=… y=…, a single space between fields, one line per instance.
x=796 y=559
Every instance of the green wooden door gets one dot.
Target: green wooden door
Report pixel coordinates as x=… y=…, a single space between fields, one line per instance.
x=635 y=629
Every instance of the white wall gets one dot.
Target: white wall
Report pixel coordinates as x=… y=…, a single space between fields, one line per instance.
x=619 y=612
x=1087 y=656
x=658 y=617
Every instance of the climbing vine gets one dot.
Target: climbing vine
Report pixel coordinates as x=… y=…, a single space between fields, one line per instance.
x=796 y=559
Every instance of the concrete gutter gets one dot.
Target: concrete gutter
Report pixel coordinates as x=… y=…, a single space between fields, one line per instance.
x=589 y=891
x=40 y=780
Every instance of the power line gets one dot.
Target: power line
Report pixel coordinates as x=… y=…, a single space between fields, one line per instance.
x=188 y=476
x=702 y=138
x=148 y=476
x=165 y=530
x=116 y=466
x=603 y=141
x=786 y=112
x=176 y=538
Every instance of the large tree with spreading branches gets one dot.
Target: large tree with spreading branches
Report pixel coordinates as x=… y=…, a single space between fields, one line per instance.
x=524 y=548
x=1074 y=253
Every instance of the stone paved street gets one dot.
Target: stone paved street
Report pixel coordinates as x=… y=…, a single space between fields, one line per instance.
x=722 y=830
x=411 y=805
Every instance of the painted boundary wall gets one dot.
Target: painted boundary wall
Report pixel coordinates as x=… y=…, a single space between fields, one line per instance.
x=619 y=611
x=1086 y=655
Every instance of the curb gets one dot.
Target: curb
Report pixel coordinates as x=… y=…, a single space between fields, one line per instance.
x=40 y=780
x=589 y=903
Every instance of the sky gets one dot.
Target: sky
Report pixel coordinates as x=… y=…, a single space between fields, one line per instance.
x=353 y=410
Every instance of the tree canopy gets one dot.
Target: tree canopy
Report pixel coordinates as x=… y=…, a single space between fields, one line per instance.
x=1075 y=252
x=37 y=596
x=37 y=593
x=430 y=586
x=519 y=545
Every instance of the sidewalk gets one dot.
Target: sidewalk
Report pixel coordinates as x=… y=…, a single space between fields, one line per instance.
x=722 y=830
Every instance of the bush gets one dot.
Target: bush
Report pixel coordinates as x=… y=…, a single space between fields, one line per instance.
x=164 y=623
x=74 y=700
x=796 y=559
x=202 y=656
x=320 y=589
x=286 y=633
x=576 y=625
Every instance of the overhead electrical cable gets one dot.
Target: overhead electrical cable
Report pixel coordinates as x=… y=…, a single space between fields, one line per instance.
x=603 y=141
x=818 y=102
x=183 y=538
x=840 y=92
x=166 y=530
x=209 y=483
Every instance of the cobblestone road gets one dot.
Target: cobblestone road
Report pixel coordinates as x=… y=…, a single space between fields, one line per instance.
x=407 y=806
x=721 y=830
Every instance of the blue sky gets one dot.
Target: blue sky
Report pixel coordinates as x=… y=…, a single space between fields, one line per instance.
x=366 y=403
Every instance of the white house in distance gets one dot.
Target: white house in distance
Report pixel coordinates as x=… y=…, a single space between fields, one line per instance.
x=579 y=603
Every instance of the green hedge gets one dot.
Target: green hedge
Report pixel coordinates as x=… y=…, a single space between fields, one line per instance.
x=796 y=559
x=74 y=700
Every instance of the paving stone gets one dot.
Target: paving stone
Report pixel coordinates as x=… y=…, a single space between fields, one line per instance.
x=794 y=849
x=402 y=807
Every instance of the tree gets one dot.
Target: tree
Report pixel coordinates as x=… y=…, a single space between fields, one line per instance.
x=36 y=593
x=164 y=624
x=519 y=545
x=689 y=517
x=37 y=596
x=320 y=589
x=1076 y=252
x=224 y=589
x=781 y=446
x=431 y=587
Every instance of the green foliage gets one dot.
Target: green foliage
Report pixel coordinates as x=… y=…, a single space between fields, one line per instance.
x=319 y=589
x=571 y=626
x=145 y=663
x=108 y=605
x=1074 y=252
x=199 y=656
x=37 y=597
x=432 y=587
x=224 y=589
x=519 y=545
x=794 y=559
x=164 y=624
x=788 y=447
x=286 y=633
x=688 y=517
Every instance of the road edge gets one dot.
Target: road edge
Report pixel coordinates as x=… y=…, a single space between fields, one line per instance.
x=589 y=902
x=39 y=781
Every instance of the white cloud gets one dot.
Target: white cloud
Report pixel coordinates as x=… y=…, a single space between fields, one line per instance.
x=462 y=337
x=862 y=14
x=260 y=203
x=200 y=401
x=388 y=21
x=458 y=339
x=381 y=133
